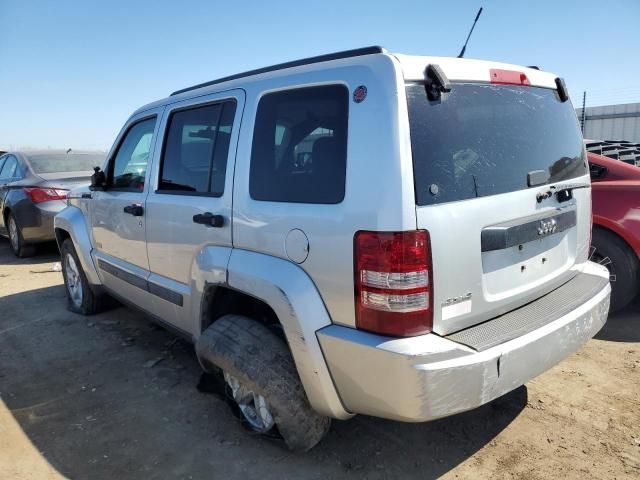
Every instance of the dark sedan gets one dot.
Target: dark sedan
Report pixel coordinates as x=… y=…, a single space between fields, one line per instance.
x=34 y=187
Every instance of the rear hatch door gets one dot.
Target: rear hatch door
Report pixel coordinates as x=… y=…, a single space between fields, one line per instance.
x=502 y=187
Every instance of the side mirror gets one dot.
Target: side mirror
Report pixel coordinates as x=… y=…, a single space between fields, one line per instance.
x=98 y=180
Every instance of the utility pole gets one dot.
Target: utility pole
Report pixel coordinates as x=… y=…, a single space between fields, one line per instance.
x=584 y=111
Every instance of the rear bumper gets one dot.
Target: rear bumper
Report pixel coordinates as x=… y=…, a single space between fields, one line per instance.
x=427 y=377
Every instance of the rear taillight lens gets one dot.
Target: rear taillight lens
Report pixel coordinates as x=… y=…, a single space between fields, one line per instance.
x=39 y=195
x=393 y=282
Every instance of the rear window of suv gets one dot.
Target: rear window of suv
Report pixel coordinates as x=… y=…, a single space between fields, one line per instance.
x=483 y=140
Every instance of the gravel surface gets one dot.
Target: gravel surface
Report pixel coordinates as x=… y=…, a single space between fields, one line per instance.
x=114 y=397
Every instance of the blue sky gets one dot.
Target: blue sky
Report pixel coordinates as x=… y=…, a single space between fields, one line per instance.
x=71 y=72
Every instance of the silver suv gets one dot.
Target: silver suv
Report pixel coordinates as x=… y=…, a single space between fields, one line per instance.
x=398 y=236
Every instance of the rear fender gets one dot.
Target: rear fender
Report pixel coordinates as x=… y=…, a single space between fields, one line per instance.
x=292 y=295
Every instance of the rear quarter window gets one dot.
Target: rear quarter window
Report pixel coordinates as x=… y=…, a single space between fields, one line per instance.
x=483 y=140
x=299 y=150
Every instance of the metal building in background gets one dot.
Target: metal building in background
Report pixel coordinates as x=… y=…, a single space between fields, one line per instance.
x=627 y=152
x=612 y=122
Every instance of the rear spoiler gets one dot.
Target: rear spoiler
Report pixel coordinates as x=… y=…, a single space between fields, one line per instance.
x=436 y=82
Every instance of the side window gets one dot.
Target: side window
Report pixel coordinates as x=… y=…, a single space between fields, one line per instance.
x=128 y=167
x=194 y=158
x=2 y=159
x=9 y=168
x=299 y=151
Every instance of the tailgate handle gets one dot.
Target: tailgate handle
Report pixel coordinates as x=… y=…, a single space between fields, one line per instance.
x=209 y=219
x=510 y=234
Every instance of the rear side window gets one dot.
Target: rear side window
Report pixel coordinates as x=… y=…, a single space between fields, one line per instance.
x=128 y=169
x=194 y=159
x=299 y=151
x=484 y=139
x=9 y=168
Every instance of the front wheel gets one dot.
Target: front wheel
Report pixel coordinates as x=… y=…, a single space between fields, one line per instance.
x=261 y=380
x=80 y=298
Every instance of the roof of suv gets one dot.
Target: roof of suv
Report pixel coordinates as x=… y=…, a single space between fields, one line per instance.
x=295 y=63
x=413 y=68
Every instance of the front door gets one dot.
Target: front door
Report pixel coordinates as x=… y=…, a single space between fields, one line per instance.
x=118 y=213
x=189 y=211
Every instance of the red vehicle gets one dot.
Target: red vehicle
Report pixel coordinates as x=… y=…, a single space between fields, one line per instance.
x=616 y=224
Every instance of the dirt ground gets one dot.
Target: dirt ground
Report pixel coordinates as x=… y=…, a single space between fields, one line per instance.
x=114 y=397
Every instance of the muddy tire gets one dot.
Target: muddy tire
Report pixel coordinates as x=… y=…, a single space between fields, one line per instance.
x=16 y=240
x=80 y=297
x=260 y=361
x=613 y=252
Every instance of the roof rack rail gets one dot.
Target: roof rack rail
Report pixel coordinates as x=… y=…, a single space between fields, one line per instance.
x=295 y=63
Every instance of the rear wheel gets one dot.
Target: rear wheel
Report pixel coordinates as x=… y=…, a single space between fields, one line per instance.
x=80 y=298
x=261 y=380
x=17 y=240
x=621 y=261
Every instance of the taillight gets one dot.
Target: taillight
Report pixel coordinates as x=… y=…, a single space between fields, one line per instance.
x=508 y=77
x=393 y=282
x=39 y=195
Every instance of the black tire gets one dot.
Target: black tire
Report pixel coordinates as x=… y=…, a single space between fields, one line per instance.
x=17 y=243
x=261 y=361
x=89 y=303
x=623 y=266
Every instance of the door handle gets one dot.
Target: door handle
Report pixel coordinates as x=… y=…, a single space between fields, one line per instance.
x=209 y=219
x=135 y=210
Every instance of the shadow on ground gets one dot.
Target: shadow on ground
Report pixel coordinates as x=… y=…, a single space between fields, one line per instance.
x=114 y=396
x=45 y=253
x=623 y=326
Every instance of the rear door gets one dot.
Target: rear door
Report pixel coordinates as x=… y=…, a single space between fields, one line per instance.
x=8 y=170
x=118 y=213
x=489 y=161
x=189 y=207
x=2 y=195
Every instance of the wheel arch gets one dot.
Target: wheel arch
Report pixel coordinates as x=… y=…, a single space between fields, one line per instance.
x=61 y=236
x=276 y=290
x=624 y=235
x=221 y=300
x=5 y=214
x=71 y=223
x=621 y=238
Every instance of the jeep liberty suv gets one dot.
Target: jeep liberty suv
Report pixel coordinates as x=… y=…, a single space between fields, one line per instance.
x=398 y=236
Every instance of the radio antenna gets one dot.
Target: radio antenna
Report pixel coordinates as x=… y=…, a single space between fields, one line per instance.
x=470 y=32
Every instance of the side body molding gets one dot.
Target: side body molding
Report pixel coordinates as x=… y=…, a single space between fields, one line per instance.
x=296 y=301
x=72 y=221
